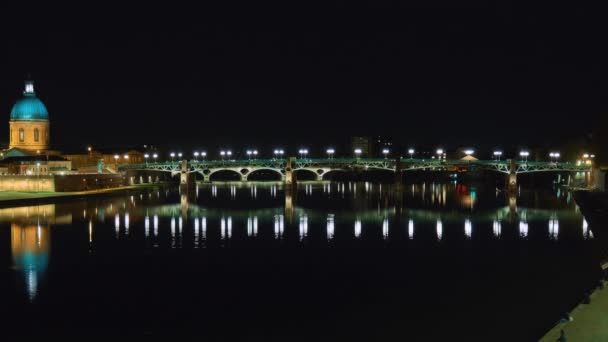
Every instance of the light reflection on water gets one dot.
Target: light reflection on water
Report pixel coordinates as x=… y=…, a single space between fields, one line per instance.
x=320 y=214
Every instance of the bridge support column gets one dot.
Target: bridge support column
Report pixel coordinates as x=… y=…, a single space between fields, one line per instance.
x=512 y=176
x=290 y=175
x=185 y=179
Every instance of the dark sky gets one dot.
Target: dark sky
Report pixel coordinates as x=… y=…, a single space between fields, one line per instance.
x=503 y=73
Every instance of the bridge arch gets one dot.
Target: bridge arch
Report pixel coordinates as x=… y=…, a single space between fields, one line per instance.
x=335 y=174
x=265 y=174
x=307 y=174
x=224 y=175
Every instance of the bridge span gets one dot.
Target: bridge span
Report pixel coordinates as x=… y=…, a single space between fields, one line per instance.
x=286 y=167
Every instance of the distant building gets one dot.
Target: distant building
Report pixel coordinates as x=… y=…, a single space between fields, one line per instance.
x=107 y=159
x=37 y=165
x=365 y=144
x=381 y=143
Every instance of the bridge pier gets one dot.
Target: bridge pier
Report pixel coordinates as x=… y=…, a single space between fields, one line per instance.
x=185 y=179
x=512 y=176
x=290 y=175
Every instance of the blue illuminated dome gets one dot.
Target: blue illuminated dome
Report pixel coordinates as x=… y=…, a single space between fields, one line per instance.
x=29 y=107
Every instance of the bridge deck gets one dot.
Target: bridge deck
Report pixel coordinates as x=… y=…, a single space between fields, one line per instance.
x=502 y=166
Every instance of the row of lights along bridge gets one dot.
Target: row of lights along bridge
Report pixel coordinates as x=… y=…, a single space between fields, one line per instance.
x=303 y=152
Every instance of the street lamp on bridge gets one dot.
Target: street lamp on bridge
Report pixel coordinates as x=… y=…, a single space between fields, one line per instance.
x=330 y=152
x=358 y=152
x=155 y=156
x=497 y=154
x=172 y=154
x=554 y=155
x=179 y=155
x=385 y=152
x=195 y=156
x=278 y=153
x=524 y=154
x=303 y=152
x=469 y=152
x=222 y=154
x=203 y=154
x=146 y=156
x=439 y=153
x=411 y=153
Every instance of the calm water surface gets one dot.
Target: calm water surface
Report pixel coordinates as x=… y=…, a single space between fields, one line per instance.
x=332 y=261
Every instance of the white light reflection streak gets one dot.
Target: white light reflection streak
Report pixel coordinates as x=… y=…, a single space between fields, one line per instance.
x=553 y=229
x=330 y=226
x=279 y=222
x=303 y=226
x=468 y=228
x=410 y=229
x=357 y=227
x=497 y=228
x=147 y=226
x=523 y=229
x=439 y=230
x=385 y=228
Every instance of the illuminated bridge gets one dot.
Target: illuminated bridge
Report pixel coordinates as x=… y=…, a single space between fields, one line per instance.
x=321 y=167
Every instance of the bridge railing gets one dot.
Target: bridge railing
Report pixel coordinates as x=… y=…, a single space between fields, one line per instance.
x=499 y=165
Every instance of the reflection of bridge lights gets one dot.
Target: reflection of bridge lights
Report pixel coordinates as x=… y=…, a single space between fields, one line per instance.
x=155 y=225
x=147 y=226
x=385 y=228
x=553 y=228
x=303 y=226
x=439 y=228
x=330 y=226
x=117 y=224
x=523 y=229
x=357 y=227
x=410 y=229
x=279 y=225
x=496 y=228
x=468 y=228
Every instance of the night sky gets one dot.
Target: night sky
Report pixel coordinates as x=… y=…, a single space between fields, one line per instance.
x=478 y=75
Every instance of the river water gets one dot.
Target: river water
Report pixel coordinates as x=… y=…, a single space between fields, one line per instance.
x=331 y=261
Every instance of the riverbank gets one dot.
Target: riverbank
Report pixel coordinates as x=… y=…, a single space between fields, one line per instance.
x=589 y=321
x=15 y=198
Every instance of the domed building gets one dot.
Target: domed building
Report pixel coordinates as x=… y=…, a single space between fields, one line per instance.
x=29 y=123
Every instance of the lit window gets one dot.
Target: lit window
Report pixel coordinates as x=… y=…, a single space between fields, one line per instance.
x=21 y=135
x=36 y=135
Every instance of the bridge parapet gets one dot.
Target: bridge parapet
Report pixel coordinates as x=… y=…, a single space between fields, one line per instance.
x=362 y=163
